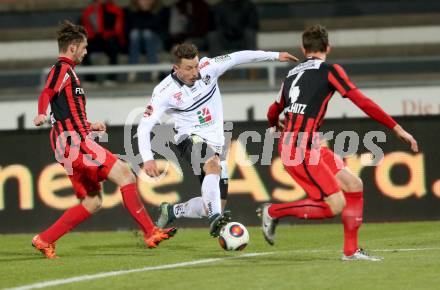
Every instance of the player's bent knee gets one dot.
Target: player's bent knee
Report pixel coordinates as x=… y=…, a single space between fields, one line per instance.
x=128 y=175
x=121 y=174
x=355 y=184
x=92 y=203
x=336 y=202
x=212 y=166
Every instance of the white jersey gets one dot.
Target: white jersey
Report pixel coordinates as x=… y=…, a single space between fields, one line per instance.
x=196 y=110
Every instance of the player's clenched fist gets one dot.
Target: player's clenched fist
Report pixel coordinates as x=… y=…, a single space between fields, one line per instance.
x=39 y=120
x=151 y=169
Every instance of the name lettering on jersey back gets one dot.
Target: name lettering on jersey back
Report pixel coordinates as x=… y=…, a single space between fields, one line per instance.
x=296 y=108
x=310 y=64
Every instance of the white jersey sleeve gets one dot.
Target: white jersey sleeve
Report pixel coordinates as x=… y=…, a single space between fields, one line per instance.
x=157 y=106
x=225 y=62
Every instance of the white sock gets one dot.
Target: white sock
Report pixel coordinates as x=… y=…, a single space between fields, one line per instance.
x=193 y=208
x=211 y=194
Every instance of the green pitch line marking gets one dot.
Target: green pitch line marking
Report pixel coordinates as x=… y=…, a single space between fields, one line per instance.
x=124 y=272
x=186 y=264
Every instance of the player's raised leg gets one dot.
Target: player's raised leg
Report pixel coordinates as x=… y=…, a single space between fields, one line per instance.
x=193 y=208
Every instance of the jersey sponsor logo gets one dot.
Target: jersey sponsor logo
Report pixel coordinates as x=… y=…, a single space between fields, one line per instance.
x=206 y=79
x=222 y=58
x=296 y=108
x=79 y=91
x=148 y=111
x=177 y=95
x=206 y=63
x=178 y=98
x=205 y=117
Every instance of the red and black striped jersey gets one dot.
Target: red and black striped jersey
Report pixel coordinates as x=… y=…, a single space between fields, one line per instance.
x=305 y=93
x=67 y=99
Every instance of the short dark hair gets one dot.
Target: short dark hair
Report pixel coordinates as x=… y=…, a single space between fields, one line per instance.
x=69 y=33
x=315 y=39
x=184 y=50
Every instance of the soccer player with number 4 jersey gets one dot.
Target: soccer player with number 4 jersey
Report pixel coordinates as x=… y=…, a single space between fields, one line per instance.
x=331 y=187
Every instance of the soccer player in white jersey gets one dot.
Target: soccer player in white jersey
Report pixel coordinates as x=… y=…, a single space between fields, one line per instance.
x=190 y=94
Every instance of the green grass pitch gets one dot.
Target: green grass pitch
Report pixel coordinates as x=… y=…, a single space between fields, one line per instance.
x=304 y=257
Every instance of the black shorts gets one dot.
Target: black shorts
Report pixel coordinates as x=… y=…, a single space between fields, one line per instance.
x=196 y=152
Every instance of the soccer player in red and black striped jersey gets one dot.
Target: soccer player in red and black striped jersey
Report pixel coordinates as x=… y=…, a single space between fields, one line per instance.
x=86 y=162
x=331 y=187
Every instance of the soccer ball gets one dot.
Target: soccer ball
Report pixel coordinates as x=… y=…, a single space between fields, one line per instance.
x=233 y=237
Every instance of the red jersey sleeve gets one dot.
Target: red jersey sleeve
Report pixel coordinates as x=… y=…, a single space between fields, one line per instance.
x=56 y=78
x=276 y=108
x=44 y=99
x=339 y=80
x=371 y=108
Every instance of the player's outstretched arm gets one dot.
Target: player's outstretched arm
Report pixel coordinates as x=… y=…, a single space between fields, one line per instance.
x=339 y=79
x=375 y=112
x=406 y=137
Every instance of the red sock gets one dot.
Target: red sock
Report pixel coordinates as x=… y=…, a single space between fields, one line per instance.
x=352 y=220
x=136 y=208
x=303 y=209
x=70 y=219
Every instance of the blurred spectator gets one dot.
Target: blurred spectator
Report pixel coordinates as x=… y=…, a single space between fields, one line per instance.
x=146 y=23
x=104 y=22
x=235 y=26
x=189 y=21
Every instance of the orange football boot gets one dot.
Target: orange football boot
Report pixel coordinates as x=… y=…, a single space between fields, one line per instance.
x=47 y=249
x=158 y=235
